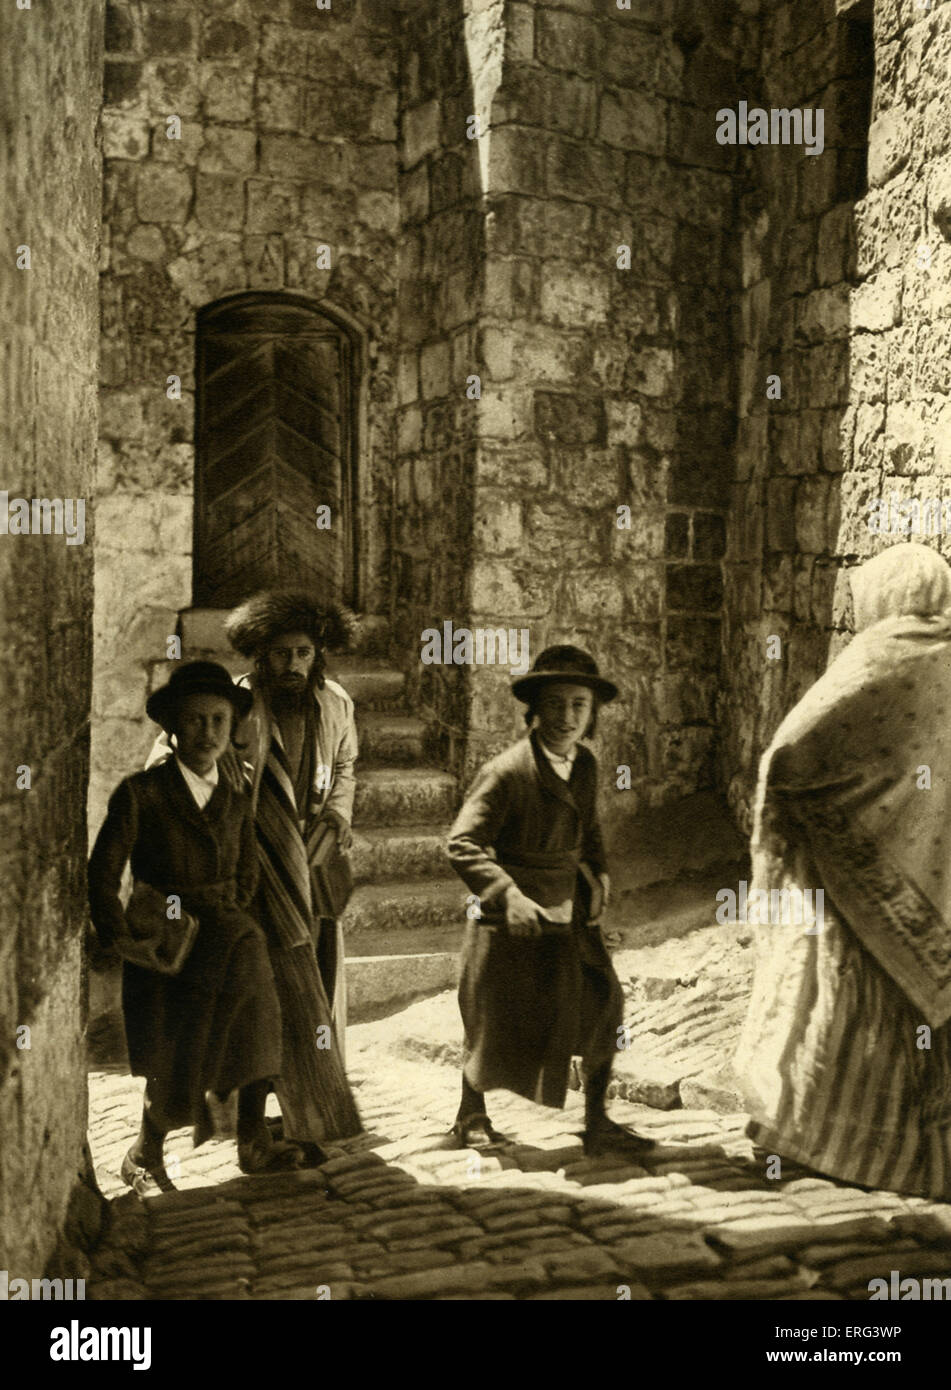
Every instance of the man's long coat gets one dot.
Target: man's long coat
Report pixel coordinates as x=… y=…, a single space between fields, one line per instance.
x=530 y=1003
x=217 y=1024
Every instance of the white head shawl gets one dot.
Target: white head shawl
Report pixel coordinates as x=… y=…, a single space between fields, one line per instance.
x=908 y=578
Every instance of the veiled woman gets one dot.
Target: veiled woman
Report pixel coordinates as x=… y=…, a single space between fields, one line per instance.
x=845 y=1057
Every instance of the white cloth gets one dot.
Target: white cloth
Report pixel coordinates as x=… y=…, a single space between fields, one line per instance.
x=561 y=763
x=201 y=787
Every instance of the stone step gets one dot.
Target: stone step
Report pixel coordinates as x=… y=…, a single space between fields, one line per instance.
x=370 y=682
x=202 y=629
x=385 y=909
x=413 y=852
x=404 y=796
x=377 y=985
x=391 y=737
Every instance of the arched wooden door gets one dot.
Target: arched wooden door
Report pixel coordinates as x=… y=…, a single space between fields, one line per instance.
x=275 y=421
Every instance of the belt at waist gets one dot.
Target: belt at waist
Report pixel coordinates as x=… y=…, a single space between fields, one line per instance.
x=218 y=893
x=562 y=859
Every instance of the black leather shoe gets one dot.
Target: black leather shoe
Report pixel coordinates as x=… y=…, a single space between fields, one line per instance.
x=147 y=1182
x=262 y=1154
x=608 y=1137
x=476 y=1132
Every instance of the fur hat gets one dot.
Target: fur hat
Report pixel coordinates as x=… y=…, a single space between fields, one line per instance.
x=274 y=612
x=563 y=663
x=196 y=678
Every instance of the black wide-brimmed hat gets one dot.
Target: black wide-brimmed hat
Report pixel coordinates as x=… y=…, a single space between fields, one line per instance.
x=196 y=678
x=274 y=612
x=564 y=663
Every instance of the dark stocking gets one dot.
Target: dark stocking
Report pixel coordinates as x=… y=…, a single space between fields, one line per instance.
x=472 y=1103
x=251 y=1102
x=595 y=1091
x=147 y=1149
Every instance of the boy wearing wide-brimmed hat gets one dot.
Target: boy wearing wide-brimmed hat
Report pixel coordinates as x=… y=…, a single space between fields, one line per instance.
x=537 y=984
x=215 y=1025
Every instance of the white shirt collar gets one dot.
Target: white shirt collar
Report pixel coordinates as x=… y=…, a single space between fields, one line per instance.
x=200 y=785
x=561 y=763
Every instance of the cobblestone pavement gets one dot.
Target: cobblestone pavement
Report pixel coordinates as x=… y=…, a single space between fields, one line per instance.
x=394 y=1215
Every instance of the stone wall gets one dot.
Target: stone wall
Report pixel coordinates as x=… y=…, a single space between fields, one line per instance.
x=288 y=142
x=50 y=86
x=608 y=381
x=451 y=66
x=838 y=300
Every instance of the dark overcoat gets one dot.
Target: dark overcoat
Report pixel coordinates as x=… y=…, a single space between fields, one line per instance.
x=531 y=1003
x=217 y=1024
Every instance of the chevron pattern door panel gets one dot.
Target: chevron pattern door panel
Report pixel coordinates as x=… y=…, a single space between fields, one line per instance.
x=275 y=441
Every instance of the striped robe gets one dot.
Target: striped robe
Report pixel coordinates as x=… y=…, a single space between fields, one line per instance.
x=845 y=1057
x=315 y=1098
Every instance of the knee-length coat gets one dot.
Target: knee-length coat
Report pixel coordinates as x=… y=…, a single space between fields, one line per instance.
x=530 y=1003
x=217 y=1024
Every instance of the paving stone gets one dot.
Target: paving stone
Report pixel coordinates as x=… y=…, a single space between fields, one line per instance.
x=108 y=1289
x=932 y=1224
x=318 y=1238
x=538 y=1245
x=819 y=1255
x=812 y=1295
x=762 y=1235
x=665 y=1257
x=197 y=1272
x=426 y=1283
x=577 y=1266
x=340 y=1291
x=607 y=1293
x=749 y=1290
x=502 y=1240
x=773 y=1267
x=513 y=1220
x=282 y=1258
x=915 y=1264
x=428 y=1258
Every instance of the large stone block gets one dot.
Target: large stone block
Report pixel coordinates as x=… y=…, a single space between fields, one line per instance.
x=515 y=160
x=889 y=144
x=169 y=30
x=573 y=298
x=273 y=205
x=228 y=92
x=278 y=103
x=632 y=120
x=497 y=524
x=816 y=515
x=219 y=200
x=584 y=172
x=163 y=193
x=508 y=589
x=124 y=136
x=571 y=43
x=569 y=419
x=224 y=38
x=421 y=133
x=226 y=150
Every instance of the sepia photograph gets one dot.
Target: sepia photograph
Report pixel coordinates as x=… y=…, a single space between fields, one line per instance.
x=476 y=666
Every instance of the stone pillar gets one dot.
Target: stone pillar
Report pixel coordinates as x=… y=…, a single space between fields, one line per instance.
x=50 y=91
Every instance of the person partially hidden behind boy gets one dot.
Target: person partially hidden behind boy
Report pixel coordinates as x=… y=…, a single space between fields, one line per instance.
x=537 y=984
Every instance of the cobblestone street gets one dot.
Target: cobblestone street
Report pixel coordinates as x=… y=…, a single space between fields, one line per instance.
x=394 y=1215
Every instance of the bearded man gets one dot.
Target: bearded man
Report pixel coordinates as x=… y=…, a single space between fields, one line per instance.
x=298 y=745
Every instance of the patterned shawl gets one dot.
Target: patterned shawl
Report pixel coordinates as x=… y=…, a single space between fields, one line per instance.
x=861 y=770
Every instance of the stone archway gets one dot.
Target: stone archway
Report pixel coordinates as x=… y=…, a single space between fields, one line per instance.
x=276 y=386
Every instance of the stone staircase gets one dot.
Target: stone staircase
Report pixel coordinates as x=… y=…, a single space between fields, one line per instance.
x=403 y=925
